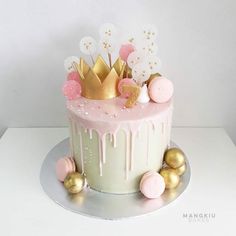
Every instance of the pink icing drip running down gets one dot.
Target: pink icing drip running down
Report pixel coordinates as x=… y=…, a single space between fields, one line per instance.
x=109 y=116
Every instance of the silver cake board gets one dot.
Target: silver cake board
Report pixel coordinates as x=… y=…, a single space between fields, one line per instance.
x=102 y=205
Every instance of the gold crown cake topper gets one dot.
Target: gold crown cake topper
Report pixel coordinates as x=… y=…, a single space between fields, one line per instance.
x=129 y=76
x=100 y=81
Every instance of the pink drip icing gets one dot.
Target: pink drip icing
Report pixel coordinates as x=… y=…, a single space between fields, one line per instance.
x=110 y=134
x=127 y=156
x=71 y=138
x=89 y=114
x=81 y=152
x=100 y=157
x=134 y=129
x=114 y=139
x=147 y=161
x=103 y=148
x=132 y=139
x=170 y=125
x=90 y=133
x=167 y=132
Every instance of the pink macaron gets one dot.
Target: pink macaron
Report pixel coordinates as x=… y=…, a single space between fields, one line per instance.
x=70 y=163
x=64 y=166
x=73 y=76
x=160 y=89
x=125 y=81
x=152 y=185
x=125 y=50
x=71 y=89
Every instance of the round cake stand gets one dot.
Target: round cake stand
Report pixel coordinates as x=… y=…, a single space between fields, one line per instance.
x=102 y=205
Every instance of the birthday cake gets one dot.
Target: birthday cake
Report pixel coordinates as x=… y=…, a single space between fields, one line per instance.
x=120 y=114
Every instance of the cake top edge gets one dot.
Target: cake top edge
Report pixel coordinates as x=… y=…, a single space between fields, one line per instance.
x=113 y=110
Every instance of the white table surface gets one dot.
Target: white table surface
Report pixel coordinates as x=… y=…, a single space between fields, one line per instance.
x=26 y=210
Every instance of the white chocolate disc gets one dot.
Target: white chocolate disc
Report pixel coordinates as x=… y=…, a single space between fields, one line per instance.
x=88 y=45
x=141 y=72
x=68 y=63
x=134 y=58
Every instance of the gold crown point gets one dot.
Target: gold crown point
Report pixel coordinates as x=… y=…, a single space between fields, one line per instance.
x=101 y=68
x=119 y=66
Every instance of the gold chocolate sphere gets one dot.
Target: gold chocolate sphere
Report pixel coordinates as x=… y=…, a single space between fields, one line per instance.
x=170 y=177
x=174 y=157
x=74 y=182
x=181 y=170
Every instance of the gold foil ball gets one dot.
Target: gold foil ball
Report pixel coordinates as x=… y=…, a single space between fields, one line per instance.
x=170 y=177
x=74 y=182
x=181 y=170
x=174 y=157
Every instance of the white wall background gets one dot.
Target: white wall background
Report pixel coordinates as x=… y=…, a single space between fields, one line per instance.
x=197 y=41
